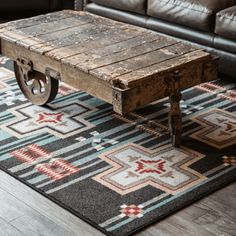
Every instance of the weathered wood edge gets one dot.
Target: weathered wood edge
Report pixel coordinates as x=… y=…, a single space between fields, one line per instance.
x=129 y=99
x=196 y=56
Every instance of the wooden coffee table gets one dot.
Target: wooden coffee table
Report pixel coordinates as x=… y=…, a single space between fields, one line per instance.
x=124 y=65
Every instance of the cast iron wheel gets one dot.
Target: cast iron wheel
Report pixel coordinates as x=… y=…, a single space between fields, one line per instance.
x=37 y=87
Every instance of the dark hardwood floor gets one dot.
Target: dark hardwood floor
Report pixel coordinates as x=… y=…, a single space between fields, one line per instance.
x=24 y=212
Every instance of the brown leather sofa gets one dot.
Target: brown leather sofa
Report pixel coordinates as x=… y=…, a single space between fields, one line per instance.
x=208 y=23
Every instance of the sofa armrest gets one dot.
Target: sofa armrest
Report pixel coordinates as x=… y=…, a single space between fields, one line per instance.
x=226 y=23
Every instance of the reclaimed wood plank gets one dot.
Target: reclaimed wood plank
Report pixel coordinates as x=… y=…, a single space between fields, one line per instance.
x=70 y=75
x=64 y=37
x=94 y=60
x=23 y=40
x=35 y=20
x=92 y=45
x=109 y=72
x=76 y=37
x=41 y=39
x=100 y=32
x=58 y=21
x=21 y=24
x=145 y=74
x=27 y=40
x=50 y=27
x=45 y=20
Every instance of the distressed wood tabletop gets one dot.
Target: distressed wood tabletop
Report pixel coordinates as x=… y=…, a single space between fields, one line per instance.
x=110 y=50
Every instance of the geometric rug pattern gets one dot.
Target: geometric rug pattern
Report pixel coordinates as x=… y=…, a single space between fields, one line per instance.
x=118 y=173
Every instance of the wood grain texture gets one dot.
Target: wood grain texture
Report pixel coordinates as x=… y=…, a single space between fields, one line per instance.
x=9 y=230
x=10 y=207
x=48 y=210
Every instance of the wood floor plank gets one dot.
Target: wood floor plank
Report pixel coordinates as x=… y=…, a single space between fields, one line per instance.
x=38 y=224
x=175 y=226
x=217 y=221
x=7 y=229
x=46 y=207
x=199 y=218
x=10 y=207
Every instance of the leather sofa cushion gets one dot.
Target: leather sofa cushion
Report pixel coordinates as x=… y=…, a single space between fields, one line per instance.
x=127 y=17
x=180 y=31
x=137 y=6
x=226 y=23
x=198 y=14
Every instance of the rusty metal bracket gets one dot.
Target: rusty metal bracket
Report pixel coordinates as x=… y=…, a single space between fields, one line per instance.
x=51 y=73
x=117 y=100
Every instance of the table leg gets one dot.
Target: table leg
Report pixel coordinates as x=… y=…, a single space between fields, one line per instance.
x=175 y=118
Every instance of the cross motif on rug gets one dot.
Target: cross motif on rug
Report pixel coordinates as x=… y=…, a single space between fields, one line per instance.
x=135 y=167
x=61 y=121
x=219 y=128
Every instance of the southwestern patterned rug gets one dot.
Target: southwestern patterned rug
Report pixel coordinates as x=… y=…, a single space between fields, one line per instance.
x=118 y=173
